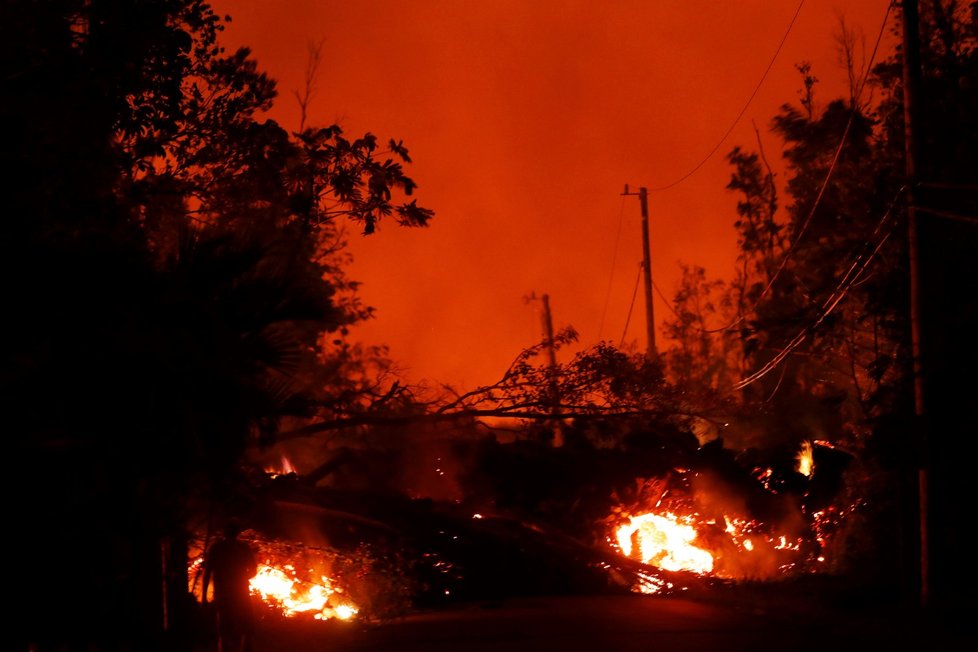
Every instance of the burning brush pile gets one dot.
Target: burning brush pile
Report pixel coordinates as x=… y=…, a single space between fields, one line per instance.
x=293 y=580
x=579 y=523
x=675 y=536
x=698 y=522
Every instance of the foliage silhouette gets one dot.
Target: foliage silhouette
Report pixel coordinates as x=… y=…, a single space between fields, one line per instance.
x=175 y=285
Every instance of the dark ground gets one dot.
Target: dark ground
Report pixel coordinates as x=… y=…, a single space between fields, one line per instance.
x=622 y=623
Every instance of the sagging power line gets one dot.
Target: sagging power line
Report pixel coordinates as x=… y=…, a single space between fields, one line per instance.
x=743 y=110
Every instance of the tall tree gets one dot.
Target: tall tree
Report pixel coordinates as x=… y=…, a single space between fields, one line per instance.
x=707 y=355
x=825 y=296
x=175 y=265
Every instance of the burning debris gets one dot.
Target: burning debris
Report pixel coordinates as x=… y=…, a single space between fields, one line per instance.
x=702 y=523
x=280 y=587
x=292 y=580
x=665 y=541
x=708 y=520
x=725 y=548
x=283 y=468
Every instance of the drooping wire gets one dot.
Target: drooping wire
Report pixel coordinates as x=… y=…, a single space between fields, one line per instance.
x=614 y=259
x=947 y=186
x=855 y=270
x=742 y=110
x=802 y=335
x=663 y=297
x=948 y=215
x=822 y=187
x=631 y=306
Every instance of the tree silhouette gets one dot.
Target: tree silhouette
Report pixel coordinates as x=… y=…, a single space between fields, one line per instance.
x=822 y=297
x=174 y=269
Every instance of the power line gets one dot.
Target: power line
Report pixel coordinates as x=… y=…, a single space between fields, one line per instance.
x=802 y=335
x=841 y=289
x=835 y=159
x=663 y=297
x=848 y=279
x=614 y=259
x=822 y=187
x=947 y=186
x=742 y=111
x=968 y=219
x=631 y=305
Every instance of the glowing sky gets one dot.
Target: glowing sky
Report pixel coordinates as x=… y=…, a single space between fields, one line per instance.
x=525 y=118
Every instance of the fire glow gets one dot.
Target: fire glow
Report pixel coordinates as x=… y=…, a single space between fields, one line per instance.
x=281 y=588
x=285 y=467
x=724 y=547
x=805 y=459
x=663 y=540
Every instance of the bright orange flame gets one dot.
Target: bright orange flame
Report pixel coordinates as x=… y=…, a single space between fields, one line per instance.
x=663 y=540
x=724 y=546
x=281 y=588
x=285 y=468
x=285 y=589
x=805 y=459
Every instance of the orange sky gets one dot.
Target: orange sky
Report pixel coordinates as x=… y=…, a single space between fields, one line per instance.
x=525 y=118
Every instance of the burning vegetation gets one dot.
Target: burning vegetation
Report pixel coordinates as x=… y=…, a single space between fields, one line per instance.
x=198 y=253
x=333 y=553
x=777 y=526
x=292 y=580
x=722 y=547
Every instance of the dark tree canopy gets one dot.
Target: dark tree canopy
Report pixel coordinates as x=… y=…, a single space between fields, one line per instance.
x=174 y=289
x=821 y=300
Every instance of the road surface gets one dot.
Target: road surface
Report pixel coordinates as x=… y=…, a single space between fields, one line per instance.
x=625 y=623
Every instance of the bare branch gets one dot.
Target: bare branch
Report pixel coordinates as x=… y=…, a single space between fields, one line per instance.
x=304 y=98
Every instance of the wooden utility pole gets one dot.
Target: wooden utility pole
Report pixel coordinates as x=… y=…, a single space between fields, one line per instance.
x=911 y=94
x=552 y=388
x=643 y=197
x=548 y=331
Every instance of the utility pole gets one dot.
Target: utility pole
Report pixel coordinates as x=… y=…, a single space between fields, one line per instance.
x=548 y=331
x=643 y=197
x=548 y=343
x=911 y=93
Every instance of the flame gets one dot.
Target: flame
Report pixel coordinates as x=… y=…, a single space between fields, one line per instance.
x=284 y=588
x=727 y=547
x=663 y=540
x=284 y=468
x=280 y=587
x=805 y=459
